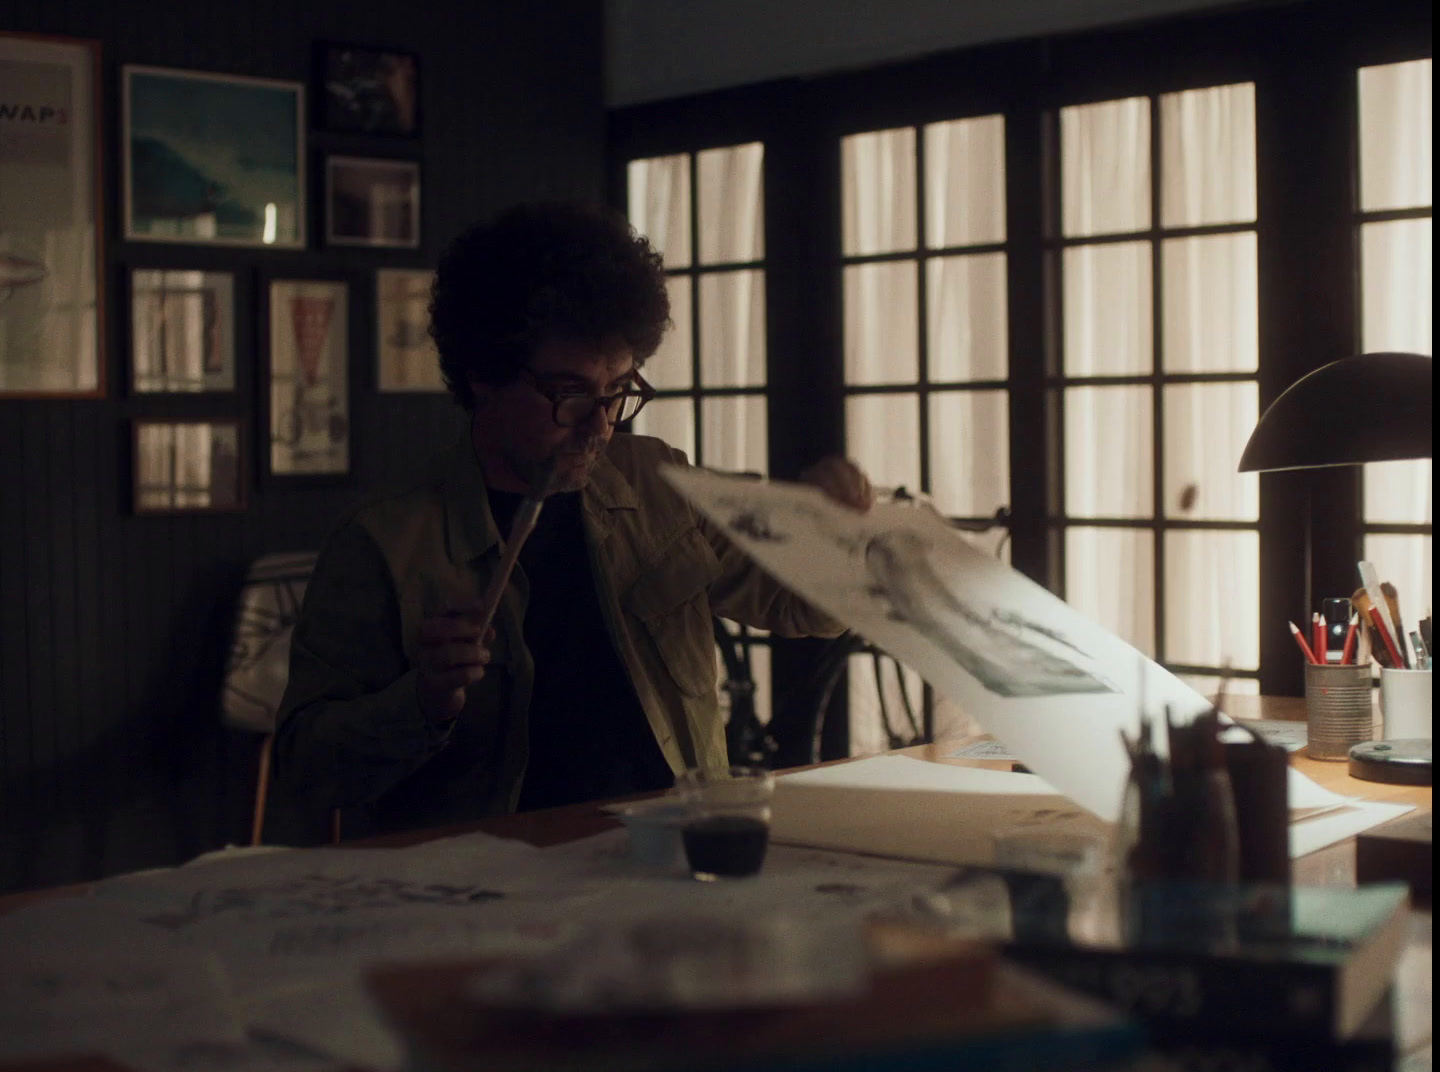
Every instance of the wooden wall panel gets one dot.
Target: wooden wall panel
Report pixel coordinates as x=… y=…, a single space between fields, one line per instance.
x=114 y=628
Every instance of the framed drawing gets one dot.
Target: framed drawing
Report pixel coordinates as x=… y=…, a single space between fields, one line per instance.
x=188 y=467
x=372 y=202
x=214 y=159
x=407 y=358
x=372 y=91
x=51 y=273
x=182 y=331
x=308 y=392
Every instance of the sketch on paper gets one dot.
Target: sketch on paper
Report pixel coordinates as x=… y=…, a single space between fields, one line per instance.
x=309 y=378
x=1054 y=686
x=319 y=895
x=50 y=219
x=1004 y=650
x=408 y=360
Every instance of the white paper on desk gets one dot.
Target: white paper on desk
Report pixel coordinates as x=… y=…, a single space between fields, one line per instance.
x=1054 y=686
x=907 y=772
x=1355 y=817
x=333 y=1015
x=804 y=881
x=152 y=1011
x=1291 y=736
x=915 y=809
x=983 y=750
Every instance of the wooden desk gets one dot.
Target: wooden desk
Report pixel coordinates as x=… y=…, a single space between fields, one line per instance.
x=1331 y=866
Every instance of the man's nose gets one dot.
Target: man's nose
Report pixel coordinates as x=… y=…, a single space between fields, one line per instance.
x=599 y=419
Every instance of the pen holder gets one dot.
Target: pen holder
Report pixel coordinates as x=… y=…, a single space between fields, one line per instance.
x=1405 y=703
x=1260 y=781
x=1339 y=709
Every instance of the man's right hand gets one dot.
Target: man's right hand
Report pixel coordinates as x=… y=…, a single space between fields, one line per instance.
x=453 y=655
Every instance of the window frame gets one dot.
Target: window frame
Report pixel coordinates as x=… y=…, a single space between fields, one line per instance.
x=1301 y=58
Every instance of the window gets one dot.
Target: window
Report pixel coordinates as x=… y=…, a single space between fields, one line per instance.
x=926 y=361
x=1058 y=276
x=1155 y=390
x=710 y=372
x=1394 y=222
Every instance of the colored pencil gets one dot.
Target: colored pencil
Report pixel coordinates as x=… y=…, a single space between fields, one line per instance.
x=1300 y=639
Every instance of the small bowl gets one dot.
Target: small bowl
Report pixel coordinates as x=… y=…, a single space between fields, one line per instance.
x=654 y=827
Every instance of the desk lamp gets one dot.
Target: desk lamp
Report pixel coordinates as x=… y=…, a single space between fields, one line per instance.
x=1371 y=408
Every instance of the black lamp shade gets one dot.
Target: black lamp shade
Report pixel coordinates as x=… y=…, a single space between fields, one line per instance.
x=1370 y=408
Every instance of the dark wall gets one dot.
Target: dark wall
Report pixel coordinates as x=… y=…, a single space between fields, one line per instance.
x=114 y=628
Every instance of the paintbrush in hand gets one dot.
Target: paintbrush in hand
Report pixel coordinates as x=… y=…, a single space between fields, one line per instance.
x=542 y=483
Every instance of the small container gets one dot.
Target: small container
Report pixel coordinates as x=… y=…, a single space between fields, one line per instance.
x=654 y=828
x=727 y=829
x=1405 y=703
x=1339 y=708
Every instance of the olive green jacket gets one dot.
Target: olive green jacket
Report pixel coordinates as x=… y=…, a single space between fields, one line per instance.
x=350 y=730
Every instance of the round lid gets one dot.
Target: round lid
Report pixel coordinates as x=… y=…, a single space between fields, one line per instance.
x=1401 y=762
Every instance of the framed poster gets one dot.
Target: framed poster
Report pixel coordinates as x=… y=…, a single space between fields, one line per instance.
x=372 y=91
x=308 y=391
x=51 y=297
x=213 y=159
x=371 y=202
x=406 y=356
x=182 y=331
x=188 y=467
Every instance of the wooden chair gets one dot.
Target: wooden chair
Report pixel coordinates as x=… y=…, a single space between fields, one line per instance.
x=259 y=663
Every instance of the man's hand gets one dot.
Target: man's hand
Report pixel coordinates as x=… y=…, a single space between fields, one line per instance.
x=843 y=481
x=453 y=656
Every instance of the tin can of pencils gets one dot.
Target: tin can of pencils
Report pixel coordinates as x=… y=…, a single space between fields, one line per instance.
x=1339 y=706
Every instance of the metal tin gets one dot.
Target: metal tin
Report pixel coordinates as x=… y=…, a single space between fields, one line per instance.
x=1339 y=704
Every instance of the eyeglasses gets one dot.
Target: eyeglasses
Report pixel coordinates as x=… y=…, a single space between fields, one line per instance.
x=570 y=407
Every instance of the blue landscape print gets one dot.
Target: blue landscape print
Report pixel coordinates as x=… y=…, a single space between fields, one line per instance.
x=214 y=159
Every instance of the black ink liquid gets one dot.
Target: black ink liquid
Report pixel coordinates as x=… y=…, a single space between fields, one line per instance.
x=726 y=845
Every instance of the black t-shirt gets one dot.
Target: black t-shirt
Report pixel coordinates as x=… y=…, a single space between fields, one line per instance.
x=589 y=737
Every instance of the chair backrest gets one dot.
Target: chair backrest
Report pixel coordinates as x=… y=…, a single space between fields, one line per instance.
x=259 y=664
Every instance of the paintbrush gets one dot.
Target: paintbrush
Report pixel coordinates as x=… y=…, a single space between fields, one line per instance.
x=1361 y=602
x=542 y=483
x=1392 y=602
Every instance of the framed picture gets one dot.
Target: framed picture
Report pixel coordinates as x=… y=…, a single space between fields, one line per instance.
x=213 y=159
x=372 y=202
x=308 y=393
x=182 y=331
x=373 y=91
x=407 y=358
x=51 y=298
x=188 y=467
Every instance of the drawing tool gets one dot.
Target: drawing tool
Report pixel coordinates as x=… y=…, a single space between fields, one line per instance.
x=1396 y=659
x=1318 y=646
x=541 y=485
x=1371 y=580
x=1300 y=639
x=1392 y=604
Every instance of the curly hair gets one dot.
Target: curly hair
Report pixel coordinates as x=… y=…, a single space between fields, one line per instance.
x=554 y=270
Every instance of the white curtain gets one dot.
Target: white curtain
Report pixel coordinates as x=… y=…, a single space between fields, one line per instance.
x=1209 y=324
x=730 y=216
x=1396 y=280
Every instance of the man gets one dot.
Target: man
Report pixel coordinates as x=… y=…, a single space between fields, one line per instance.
x=598 y=676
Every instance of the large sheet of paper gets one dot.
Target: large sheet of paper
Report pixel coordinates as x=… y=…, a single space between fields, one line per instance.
x=941 y=812
x=276 y=944
x=1054 y=686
